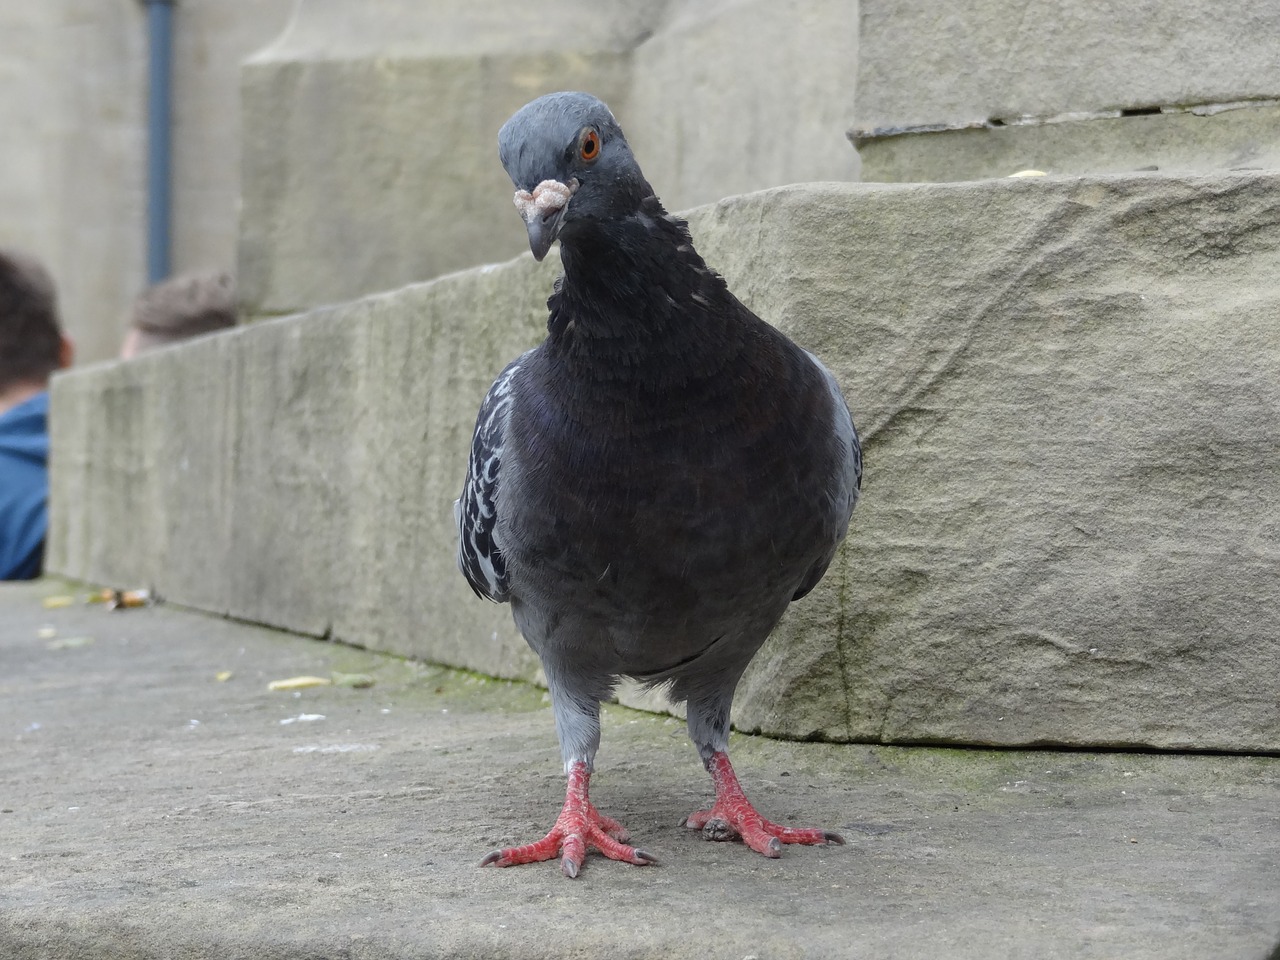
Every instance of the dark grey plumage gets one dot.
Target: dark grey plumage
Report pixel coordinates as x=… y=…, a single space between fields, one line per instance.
x=653 y=484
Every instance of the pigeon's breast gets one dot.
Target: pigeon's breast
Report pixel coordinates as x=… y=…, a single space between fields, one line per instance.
x=638 y=515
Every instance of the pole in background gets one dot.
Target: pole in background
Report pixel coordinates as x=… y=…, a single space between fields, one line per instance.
x=159 y=158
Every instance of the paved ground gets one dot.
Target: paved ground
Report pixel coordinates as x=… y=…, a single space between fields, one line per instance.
x=151 y=810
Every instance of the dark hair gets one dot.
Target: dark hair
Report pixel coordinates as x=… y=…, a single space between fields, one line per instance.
x=30 y=336
x=184 y=306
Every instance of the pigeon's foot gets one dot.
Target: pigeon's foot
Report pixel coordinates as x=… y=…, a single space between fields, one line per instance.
x=580 y=826
x=732 y=816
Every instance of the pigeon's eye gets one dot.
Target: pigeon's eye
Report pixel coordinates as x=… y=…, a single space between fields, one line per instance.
x=589 y=145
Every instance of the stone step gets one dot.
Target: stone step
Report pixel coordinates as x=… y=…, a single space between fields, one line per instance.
x=1069 y=392
x=151 y=810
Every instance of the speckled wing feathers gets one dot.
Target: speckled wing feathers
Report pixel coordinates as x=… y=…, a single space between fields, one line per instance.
x=479 y=558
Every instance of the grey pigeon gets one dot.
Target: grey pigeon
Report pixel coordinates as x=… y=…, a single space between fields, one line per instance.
x=651 y=485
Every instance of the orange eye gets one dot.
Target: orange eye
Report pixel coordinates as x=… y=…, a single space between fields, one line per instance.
x=589 y=145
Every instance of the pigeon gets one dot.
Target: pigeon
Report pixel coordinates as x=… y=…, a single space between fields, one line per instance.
x=652 y=485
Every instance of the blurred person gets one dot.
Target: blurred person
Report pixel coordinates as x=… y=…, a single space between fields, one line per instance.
x=32 y=347
x=188 y=305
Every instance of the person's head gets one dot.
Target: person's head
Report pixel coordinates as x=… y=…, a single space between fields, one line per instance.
x=32 y=345
x=180 y=308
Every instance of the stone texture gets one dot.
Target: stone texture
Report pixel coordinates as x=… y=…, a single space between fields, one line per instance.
x=1174 y=142
x=370 y=149
x=371 y=155
x=932 y=84
x=211 y=39
x=301 y=472
x=151 y=812
x=737 y=95
x=925 y=64
x=1068 y=394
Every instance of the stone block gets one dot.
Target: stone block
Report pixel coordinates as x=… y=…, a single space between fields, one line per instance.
x=394 y=189
x=708 y=115
x=1182 y=142
x=370 y=156
x=922 y=63
x=300 y=472
x=1068 y=393
x=1067 y=390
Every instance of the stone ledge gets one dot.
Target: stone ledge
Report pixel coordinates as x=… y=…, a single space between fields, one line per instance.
x=1246 y=137
x=1067 y=389
x=922 y=64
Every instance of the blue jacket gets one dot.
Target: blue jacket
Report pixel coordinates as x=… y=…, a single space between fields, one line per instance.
x=24 y=488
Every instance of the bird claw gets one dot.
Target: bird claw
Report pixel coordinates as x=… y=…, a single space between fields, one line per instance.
x=570 y=866
x=732 y=816
x=579 y=827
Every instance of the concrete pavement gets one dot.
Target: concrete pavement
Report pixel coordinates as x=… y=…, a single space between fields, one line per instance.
x=153 y=810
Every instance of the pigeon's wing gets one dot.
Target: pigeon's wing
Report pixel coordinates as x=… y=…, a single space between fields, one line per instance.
x=844 y=485
x=475 y=512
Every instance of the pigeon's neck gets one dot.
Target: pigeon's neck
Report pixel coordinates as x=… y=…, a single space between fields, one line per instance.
x=637 y=303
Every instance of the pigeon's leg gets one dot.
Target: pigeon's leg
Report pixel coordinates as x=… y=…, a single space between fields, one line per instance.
x=732 y=815
x=580 y=825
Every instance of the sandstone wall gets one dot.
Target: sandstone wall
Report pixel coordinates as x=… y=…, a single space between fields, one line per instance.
x=365 y=158
x=1068 y=390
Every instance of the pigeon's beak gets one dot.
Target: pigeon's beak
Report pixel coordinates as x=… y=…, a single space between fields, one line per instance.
x=543 y=212
x=543 y=230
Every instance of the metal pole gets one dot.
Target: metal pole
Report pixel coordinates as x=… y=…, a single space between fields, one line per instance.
x=159 y=159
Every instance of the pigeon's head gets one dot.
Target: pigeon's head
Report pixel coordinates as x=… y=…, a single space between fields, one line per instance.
x=571 y=165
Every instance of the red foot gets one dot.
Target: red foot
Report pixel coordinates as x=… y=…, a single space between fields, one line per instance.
x=732 y=816
x=579 y=826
